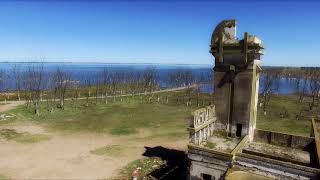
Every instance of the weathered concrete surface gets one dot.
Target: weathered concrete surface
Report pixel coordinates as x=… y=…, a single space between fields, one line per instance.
x=275 y=168
x=223 y=143
x=244 y=175
x=221 y=101
x=293 y=155
x=201 y=124
x=209 y=162
x=282 y=139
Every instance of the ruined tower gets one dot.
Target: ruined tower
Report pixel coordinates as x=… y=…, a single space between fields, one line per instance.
x=223 y=139
x=236 y=79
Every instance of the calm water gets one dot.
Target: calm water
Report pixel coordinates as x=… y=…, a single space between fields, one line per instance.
x=201 y=72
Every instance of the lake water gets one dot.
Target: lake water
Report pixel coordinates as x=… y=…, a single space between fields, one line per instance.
x=202 y=72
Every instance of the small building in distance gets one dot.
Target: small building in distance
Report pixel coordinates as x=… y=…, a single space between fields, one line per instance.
x=223 y=139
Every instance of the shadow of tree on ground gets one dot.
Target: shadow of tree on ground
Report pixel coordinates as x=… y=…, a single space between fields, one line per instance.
x=176 y=166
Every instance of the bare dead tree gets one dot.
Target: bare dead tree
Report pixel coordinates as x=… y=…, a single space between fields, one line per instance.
x=26 y=88
x=149 y=77
x=198 y=90
x=314 y=87
x=51 y=93
x=140 y=86
x=304 y=87
x=129 y=82
x=3 y=84
x=16 y=72
x=97 y=82
x=121 y=84
x=75 y=85
x=62 y=81
x=105 y=77
x=188 y=79
x=34 y=79
x=175 y=80
x=114 y=83
x=266 y=92
x=88 y=86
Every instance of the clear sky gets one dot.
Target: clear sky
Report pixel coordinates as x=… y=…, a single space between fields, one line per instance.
x=154 y=32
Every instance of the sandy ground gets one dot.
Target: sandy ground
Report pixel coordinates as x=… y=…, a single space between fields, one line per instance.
x=10 y=105
x=67 y=156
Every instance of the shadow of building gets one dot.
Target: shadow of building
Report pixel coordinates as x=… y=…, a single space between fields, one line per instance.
x=176 y=166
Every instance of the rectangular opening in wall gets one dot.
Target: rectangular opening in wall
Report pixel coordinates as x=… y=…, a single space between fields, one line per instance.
x=207 y=177
x=239 y=130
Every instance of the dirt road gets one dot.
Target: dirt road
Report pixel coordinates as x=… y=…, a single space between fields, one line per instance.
x=13 y=104
x=10 y=105
x=67 y=156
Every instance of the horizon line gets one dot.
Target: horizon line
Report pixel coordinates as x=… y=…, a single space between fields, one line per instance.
x=179 y=64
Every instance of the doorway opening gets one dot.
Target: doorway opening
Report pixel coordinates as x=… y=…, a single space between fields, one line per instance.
x=207 y=177
x=239 y=130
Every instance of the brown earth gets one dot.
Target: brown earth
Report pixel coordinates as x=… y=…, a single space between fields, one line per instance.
x=67 y=156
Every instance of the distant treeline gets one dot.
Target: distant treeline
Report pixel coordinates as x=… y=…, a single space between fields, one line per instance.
x=307 y=86
x=34 y=84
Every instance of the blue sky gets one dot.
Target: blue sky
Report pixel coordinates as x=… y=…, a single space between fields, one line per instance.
x=154 y=32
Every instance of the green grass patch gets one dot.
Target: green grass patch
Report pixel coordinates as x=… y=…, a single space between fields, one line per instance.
x=11 y=134
x=166 y=120
x=142 y=166
x=2 y=177
x=274 y=122
x=110 y=150
x=116 y=118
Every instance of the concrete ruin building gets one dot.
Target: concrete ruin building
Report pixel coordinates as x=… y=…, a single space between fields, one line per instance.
x=224 y=140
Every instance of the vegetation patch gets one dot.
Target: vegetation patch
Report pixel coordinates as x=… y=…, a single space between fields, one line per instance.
x=2 y=177
x=141 y=167
x=110 y=150
x=274 y=121
x=220 y=134
x=117 y=118
x=210 y=145
x=122 y=129
x=11 y=134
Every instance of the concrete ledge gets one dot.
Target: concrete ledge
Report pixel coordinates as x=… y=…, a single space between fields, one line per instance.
x=260 y=154
x=243 y=141
x=275 y=166
x=215 y=153
x=316 y=137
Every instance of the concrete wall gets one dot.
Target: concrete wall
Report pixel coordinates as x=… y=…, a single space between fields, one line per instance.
x=281 y=139
x=197 y=169
x=242 y=101
x=211 y=162
x=275 y=169
x=221 y=101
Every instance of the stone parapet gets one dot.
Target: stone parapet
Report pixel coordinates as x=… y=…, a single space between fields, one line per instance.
x=282 y=139
x=275 y=168
x=201 y=124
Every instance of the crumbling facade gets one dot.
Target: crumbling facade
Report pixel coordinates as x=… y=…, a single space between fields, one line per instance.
x=201 y=125
x=236 y=79
x=224 y=137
